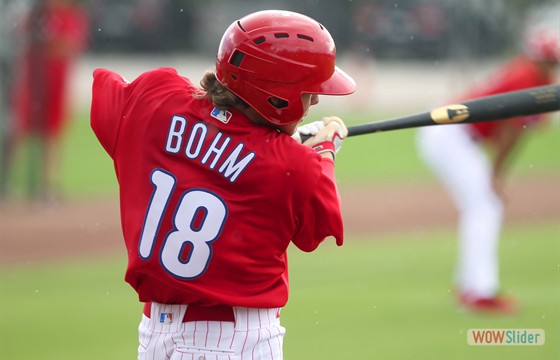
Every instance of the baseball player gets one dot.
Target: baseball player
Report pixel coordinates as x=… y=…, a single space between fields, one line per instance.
x=474 y=176
x=54 y=34
x=214 y=187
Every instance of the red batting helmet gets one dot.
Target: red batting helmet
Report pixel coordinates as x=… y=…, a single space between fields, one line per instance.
x=269 y=58
x=543 y=44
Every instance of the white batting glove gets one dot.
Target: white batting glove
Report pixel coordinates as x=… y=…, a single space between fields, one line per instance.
x=329 y=138
x=308 y=130
x=338 y=130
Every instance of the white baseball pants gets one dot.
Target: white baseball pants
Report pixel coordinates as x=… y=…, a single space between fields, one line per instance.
x=463 y=167
x=255 y=334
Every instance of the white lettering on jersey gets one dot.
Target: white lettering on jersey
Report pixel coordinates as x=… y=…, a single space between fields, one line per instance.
x=196 y=140
x=175 y=136
x=217 y=150
x=219 y=153
x=232 y=169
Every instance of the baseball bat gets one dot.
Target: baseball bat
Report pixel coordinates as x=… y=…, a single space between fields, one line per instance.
x=525 y=102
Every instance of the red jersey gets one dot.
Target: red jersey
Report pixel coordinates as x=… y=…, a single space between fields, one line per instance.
x=518 y=74
x=209 y=200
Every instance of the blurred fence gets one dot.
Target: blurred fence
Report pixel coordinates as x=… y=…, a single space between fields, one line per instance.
x=381 y=28
x=379 y=41
x=402 y=29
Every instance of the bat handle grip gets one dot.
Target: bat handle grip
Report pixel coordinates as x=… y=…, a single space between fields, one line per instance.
x=304 y=138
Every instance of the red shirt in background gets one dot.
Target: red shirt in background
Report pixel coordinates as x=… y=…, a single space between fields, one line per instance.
x=40 y=95
x=520 y=73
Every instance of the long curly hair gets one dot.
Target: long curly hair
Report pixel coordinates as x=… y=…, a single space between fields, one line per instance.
x=218 y=94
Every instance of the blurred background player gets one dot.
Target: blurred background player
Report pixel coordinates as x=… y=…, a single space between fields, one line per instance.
x=7 y=60
x=470 y=160
x=213 y=188
x=51 y=37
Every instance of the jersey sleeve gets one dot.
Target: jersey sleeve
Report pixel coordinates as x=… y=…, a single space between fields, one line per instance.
x=319 y=216
x=107 y=107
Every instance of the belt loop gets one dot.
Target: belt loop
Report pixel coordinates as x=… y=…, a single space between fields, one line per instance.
x=147 y=310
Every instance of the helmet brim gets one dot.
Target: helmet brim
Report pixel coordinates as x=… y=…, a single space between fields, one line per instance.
x=340 y=83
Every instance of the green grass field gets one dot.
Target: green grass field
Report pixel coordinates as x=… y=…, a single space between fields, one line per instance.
x=391 y=298
x=378 y=297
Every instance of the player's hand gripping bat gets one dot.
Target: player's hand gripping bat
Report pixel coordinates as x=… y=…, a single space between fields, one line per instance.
x=530 y=101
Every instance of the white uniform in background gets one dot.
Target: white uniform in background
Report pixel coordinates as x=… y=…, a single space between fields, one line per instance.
x=466 y=172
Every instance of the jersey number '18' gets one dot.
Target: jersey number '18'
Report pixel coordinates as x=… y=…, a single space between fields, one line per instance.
x=198 y=221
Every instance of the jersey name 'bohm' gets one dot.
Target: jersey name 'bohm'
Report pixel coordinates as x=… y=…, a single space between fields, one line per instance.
x=231 y=167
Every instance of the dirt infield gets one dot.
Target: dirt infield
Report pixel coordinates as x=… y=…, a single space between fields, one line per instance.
x=32 y=233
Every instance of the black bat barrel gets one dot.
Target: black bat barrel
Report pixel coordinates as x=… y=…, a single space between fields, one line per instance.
x=517 y=103
x=530 y=101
